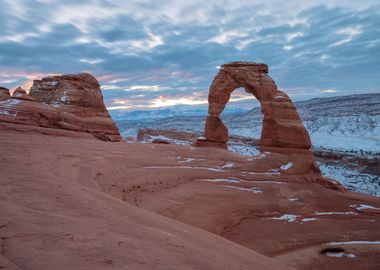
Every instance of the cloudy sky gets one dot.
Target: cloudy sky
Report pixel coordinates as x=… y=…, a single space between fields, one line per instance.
x=149 y=54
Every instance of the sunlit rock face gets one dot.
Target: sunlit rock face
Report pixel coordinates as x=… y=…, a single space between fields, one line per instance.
x=75 y=93
x=71 y=102
x=282 y=126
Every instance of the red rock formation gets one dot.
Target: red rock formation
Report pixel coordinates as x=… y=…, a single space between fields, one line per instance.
x=283 y=131
x=282 y=126
x=72 y=102
x=4 y=93
x=20 y=93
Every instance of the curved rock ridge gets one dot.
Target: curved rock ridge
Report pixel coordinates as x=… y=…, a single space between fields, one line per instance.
x=71 y=102
x=282 y=126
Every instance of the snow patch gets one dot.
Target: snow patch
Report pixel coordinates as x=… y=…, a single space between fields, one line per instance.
x=358 y=242
x=286 y=217
x=187 y=160
x=365 y=206
x=8 y=113
x=308 y=219
x=286 y=166
x=271 y=172
x=352 y=179
x=222 y=180
x=184 y=167
x=254 y=190
x=161 y=137
x=228 y=165
x=340 y=254
x=334 y=213
x=243 y=149
x=10 y=102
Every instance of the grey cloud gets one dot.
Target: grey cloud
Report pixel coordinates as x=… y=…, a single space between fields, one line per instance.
x=187 y=58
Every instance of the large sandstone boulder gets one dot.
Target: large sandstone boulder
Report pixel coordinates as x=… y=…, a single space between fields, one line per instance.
x=4 y=93
x=75 y=93
x=71 y=102
x=282 y=126
x=20 y=93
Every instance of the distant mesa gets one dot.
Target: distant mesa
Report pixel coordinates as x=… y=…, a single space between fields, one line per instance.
x=71 y=102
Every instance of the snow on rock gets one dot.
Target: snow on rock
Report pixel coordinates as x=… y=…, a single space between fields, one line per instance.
x=187 y=160
x=253 y=190
x=10 y=102
x=352 y=179
x=286 y=217
x=340 y=254
x=243 y=149
x=228 y=165
x=308 y=219
x=5 y=112
x=366 y=206
x=161 y=137
x=222 y=180
x=334 y=213
x=286 y=166
x=357 y=242
x=184 y=167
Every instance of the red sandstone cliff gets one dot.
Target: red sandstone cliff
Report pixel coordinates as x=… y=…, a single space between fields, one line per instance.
x=70 y=102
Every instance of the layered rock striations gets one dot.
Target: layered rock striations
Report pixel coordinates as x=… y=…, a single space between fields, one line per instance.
x=70 y=102
x=4 y=93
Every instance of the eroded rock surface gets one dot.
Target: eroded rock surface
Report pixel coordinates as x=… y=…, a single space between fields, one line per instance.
x=4 y=93
x=20 y=93
x=70 y=102
x=79 y=203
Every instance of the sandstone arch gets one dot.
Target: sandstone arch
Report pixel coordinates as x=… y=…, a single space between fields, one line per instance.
x=282 y=126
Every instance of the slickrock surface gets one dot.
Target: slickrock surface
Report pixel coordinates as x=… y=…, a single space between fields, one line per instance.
x=68 y=203
x=70 y=102
x=56 y=215
x=282 y=126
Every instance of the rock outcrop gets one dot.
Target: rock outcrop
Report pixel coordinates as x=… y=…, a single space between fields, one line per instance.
x=20 y=93
x=283 y=131
x=4 y=93
x=71 y=102
x=282 y=126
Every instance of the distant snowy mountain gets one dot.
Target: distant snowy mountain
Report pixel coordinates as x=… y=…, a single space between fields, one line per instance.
x=149 y=115
x=347 y=122
x=343 y=123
